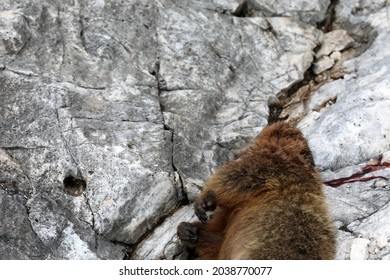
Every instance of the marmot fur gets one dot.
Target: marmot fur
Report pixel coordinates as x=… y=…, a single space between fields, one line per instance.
x=268 y=204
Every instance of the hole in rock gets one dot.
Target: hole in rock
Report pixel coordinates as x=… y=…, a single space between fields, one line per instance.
x=243 y=10
x=74 y=186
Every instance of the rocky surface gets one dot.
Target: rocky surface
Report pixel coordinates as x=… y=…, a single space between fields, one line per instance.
x=113 y=114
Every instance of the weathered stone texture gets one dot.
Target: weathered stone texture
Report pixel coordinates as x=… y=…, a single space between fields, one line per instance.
x=114 y=113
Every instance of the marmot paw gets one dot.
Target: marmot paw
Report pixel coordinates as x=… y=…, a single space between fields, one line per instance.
x=208 y=203
x=188 y=232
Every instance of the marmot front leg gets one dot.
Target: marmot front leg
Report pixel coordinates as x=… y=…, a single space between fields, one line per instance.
x=207 y=201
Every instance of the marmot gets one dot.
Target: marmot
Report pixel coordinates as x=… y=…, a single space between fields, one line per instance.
x=268 y=204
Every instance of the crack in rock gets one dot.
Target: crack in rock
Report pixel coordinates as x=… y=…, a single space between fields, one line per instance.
x=327 y=24
x=33 y=230
x=93 y=221
x=161 y=86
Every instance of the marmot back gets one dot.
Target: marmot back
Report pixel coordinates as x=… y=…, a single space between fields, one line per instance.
x=268 y=204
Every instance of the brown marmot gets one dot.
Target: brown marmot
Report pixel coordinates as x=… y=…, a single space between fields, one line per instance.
x=268 y=204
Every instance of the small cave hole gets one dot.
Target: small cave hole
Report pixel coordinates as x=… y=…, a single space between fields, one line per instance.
x=244 y=9
x=74 y=186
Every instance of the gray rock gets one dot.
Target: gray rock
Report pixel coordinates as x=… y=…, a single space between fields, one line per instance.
x=344 y=243
x=14 y=32
x=74 y=101
x=357 y=100
x=161 y=244
x=355 y=107
x=113 y=114
x=335 y=40
x=18 y=240
x=322 y=64
x=355 y=200
x=373 y=226
x=307 y=11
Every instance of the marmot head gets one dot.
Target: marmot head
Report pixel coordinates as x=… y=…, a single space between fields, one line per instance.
x=285 y=139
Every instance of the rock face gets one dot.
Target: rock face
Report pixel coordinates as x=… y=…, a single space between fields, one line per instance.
x=113 y=114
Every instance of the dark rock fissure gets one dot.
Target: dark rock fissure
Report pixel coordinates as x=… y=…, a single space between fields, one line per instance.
x=326 y=25
x=93 y=220
x=290 y=91
x=309 y=77
x=161 y=86
x=346 y=229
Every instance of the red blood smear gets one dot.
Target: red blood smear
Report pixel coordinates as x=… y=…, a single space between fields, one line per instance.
x=357 y=177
